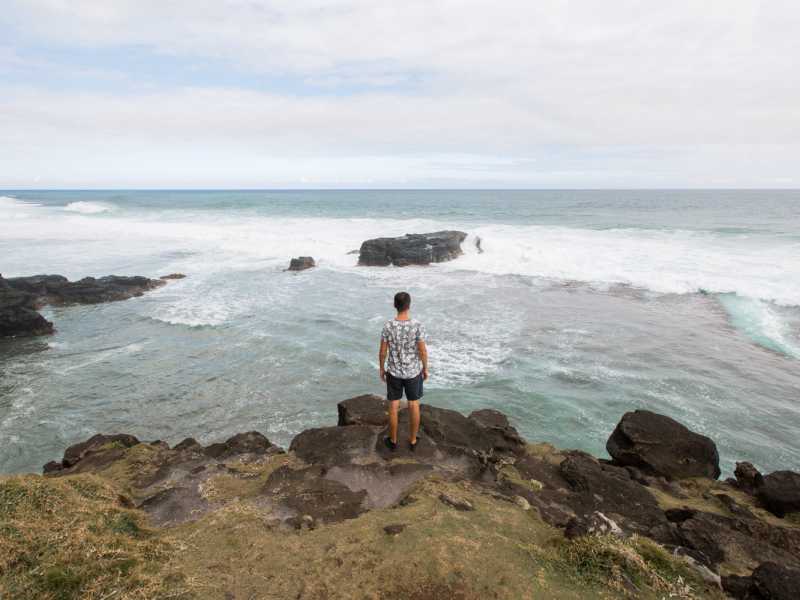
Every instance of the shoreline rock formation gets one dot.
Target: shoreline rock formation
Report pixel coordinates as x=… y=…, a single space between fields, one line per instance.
x=661 y=484
x=301 y=263
x=472 y=480
x=412 y=249
x=22 y=297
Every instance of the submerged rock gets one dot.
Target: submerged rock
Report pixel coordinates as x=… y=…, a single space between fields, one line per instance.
x=412 y=249
x=662 y=446
x=301 y=263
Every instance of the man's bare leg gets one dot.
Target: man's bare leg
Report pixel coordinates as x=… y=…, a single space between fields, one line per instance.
x=394 y=408
x=413 y=421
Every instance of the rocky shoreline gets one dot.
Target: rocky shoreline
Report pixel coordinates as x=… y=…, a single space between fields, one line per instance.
x=22 y=297
x=740 y=536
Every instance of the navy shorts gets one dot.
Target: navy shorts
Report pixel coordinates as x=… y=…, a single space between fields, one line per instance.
x=396 y=386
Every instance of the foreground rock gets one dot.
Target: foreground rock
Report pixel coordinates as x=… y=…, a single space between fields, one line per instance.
x=21 y=297
x=412 y=249
x=301 y=263
x=465 y=467
x=780 y=492
x=662 y=446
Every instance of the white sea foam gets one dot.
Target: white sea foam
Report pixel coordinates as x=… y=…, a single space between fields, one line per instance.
x=210 y=243
x=88 y=208
x=765 y=323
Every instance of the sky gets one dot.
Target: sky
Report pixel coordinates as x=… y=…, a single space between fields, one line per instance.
x=399 y=94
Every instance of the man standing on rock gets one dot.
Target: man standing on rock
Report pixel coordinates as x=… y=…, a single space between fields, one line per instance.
x=403 y=341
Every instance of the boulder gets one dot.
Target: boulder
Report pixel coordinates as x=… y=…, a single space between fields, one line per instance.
x=780 y=492
x=609 y=489
x=412 y=249
x=662 y=446
x=301 y=263
x=747 y=541
x=369 y=409
x=173 y=276
x=748 y=477
x=772 y=581
x=503 y=436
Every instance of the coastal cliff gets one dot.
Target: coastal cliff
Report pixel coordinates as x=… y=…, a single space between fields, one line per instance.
x=475 y=512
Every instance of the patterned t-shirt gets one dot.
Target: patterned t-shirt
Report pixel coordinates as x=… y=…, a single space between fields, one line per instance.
x=402 y=336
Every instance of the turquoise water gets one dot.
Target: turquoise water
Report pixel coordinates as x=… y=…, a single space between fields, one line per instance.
x=583 y=305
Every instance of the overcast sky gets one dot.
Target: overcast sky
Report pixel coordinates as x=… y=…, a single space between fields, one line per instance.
x=379 y=93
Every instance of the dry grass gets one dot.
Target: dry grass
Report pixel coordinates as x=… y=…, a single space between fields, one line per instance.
x=636 y=567
x=68 y=538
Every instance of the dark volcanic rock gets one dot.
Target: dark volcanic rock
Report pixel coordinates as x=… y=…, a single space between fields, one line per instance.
x=662 y=446
x=308 y=492
x=97 y=443
x=368 y=409
x=251 y=442
x=412 y=249
x=175 y=505
x=610 y=490
x=769 y=581
x=334 y=445
x=772 y=581
x=55 y=289
x=301 y=263
x=748 y=477
x=503 y=436
x=780 y=492
x=18 y=316
x=173 y=276
x=20 y=297
x=753 y=541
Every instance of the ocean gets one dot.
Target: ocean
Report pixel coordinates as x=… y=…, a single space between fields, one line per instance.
x=583 y=305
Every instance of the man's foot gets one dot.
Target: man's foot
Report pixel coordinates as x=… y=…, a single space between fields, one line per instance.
x=390 y=444
x=412 y=445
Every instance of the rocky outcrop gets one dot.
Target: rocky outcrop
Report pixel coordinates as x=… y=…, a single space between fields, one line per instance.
x=662 y=446
x=412 y=249
x=780 y=492
x=769 y=581
x=301 y=263
x=337 y=473
x=18 y=315
x=21 y=297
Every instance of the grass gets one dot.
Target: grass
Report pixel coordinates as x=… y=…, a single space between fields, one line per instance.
x=67 y=538
x=636 y=567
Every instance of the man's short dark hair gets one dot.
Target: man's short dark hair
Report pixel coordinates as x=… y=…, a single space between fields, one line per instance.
x=402 y=301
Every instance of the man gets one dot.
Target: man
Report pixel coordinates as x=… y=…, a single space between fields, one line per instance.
x=403 y=341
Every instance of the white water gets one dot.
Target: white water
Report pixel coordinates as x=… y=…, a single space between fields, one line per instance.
x=757 y=269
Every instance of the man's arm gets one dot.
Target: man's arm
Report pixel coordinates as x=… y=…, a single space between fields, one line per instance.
x=423 y=356
x=382 y=358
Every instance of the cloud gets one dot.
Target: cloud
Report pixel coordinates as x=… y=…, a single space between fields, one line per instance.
x=576 y=93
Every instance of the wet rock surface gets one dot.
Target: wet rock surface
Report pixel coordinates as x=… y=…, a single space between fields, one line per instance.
x=301 y=263
x=331 y=474
x=412 y=249
x=662 y=446
x=21 y=297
